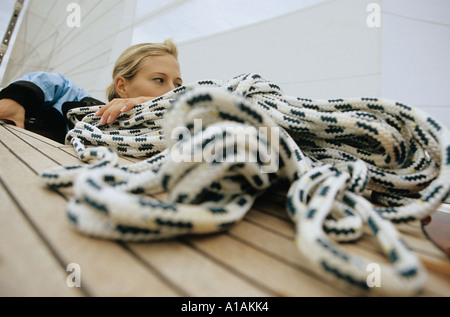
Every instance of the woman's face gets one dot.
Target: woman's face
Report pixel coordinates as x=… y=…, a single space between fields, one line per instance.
x=157 y=75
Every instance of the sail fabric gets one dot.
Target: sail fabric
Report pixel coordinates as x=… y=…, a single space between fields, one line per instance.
x=51 y=38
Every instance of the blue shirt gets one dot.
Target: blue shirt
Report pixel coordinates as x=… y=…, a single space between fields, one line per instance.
x=57 y=89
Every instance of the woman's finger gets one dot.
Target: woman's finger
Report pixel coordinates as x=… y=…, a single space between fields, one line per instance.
x=128 y=106
x=119 y=108
x=105 y=111
x=102 y=110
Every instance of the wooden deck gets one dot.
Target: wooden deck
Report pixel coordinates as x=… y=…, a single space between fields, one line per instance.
x=256 y=258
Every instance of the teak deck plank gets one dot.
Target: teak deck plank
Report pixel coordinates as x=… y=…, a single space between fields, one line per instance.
x=27 y=266
x=255 y=258
x=192 y=271
x=267 y=271
x=103 y=263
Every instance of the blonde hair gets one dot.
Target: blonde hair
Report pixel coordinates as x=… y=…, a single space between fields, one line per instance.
x=129 y=62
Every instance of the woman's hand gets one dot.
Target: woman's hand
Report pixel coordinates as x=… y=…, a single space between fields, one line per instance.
x=115 y=107
x=13 y=111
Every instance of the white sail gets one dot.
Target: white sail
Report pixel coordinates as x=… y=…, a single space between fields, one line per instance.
x=49 y=39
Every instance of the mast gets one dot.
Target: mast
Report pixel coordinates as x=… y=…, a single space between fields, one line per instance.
x=9 y=31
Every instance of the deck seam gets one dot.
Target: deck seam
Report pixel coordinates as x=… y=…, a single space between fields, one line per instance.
x=161 y=276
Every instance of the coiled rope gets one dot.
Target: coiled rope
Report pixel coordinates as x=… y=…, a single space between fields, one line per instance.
x=351 y=164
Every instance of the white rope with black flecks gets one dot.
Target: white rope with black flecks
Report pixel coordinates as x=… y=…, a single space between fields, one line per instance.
x=351 y=163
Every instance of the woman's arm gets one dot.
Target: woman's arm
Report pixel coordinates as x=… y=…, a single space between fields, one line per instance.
x=42 y=90
x=43 y=98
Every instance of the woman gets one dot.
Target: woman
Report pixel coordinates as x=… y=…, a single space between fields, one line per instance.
x=40 y=101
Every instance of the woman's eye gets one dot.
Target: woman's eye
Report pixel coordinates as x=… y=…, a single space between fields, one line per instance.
x=178 y=85
x=160 y=80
